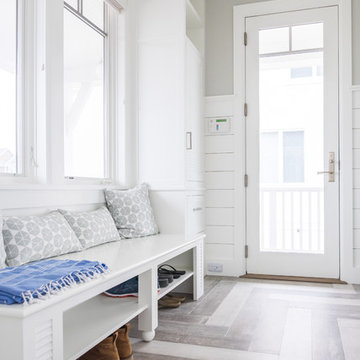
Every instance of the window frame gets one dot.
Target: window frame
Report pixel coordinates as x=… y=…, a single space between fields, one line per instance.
x=109 y=140
x=40 y=101
x=25 y=97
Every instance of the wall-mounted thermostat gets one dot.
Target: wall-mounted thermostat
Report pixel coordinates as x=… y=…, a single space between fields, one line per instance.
x=218 y=125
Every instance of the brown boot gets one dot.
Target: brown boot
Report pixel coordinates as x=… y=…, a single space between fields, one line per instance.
x=106 y=350
x=123 y=343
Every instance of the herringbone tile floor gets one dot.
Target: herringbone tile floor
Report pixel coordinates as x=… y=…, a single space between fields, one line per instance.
x=259 y=320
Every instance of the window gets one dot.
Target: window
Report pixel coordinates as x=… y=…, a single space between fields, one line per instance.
x=85 y=79
x=282 y=157
x=10 y=159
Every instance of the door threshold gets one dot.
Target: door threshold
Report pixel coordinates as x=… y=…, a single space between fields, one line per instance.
x=293 y=278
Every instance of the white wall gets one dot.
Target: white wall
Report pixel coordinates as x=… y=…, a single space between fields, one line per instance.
x=219 y=45
x=225 y=230
x=356 y=175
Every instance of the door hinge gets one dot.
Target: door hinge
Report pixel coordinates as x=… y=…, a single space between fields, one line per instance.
x=246 y=180
x=246 y=251
x=245 y=38
x=245 y=109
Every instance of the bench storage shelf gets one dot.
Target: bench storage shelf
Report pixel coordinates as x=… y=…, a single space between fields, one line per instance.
x=65 y=326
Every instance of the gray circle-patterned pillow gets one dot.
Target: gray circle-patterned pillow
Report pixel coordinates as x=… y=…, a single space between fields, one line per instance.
x=132 y=211
x=31 y=238
x=2 y=248
x=92 y=227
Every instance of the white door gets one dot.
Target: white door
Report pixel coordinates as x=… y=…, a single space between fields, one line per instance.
x=292 y=136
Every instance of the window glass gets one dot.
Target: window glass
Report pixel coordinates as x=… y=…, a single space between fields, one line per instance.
x=309 y=36
x=94 y=11
x=72 y=3
x=269 y=157
x=8 y=79
x=85 y=126
x=293 y=156
x=274 y=40
x=301 y=72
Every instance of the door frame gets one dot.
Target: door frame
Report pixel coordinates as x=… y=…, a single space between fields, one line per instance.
x=347 y=270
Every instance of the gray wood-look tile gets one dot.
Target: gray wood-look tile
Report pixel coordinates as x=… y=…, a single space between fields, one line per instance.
x=326 y=341
x=261 y=320
x=214 y=298
x=350 y=337
x=144 y=356
x=296 y=343
x=269 y=332
x=232 y=304
x=246 y=321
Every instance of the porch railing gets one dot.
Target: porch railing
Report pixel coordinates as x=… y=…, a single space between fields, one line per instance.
x=292 y=219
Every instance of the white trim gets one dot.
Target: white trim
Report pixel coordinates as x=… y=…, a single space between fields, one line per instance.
x=347 y=270
x=25 y=95
x=116 y=4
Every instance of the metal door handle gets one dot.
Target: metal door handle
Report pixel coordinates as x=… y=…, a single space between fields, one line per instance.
x=325 y=172
x=189 y=140
x=331 y=170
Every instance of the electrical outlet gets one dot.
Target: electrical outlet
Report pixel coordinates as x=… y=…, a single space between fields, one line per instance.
x=212 y=267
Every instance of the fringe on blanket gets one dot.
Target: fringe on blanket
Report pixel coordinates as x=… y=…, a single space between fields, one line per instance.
x=66 y=282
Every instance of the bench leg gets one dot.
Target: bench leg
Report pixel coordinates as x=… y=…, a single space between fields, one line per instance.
x=148 y=320
x=198 y=266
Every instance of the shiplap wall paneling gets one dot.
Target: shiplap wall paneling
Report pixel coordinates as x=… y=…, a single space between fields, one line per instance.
x=356 y=176
x=219 y=144
x=219 y=162
x=220 y=235
x=220 y=198
x=219 y=217
x=219 y=180
x=220 y=187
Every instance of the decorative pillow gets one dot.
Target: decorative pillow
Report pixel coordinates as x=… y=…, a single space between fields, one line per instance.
x=92 y=227
x=2 y=249
x=31 y=238
x=132 y=212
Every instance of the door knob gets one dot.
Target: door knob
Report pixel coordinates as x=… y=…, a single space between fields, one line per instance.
x=331 y=170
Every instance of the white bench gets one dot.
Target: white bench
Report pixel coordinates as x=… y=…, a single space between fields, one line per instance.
x=65 y=326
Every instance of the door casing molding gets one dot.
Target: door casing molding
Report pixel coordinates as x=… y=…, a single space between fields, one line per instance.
x=348 y=272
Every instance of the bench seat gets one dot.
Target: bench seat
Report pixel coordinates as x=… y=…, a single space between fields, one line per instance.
x=67 y=325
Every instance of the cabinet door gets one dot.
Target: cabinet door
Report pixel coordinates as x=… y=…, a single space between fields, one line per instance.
x=194 y=116
x=195 y=215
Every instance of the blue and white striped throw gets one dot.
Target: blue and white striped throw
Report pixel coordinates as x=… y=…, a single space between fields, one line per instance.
x=42 y=279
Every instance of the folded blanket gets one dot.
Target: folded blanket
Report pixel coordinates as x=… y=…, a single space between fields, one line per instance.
x=38 y=280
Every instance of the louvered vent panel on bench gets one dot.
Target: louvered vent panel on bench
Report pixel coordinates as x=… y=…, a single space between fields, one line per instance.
x=44 y=341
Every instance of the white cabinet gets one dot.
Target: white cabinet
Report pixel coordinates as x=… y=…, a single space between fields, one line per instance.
x=194 y=113
x=195 y=215
x=169 y=41
x=170 y=97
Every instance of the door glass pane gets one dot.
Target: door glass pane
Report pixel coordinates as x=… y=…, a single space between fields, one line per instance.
x=269 y=162
x=8 y=133
x=307 y=36
x=274 y=40
x=293 y=156
x=291 y=152
x=83 y=99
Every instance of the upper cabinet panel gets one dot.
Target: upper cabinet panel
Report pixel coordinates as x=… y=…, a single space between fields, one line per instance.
x=161 y=19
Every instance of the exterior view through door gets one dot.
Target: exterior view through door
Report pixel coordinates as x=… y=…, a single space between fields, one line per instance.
x=292 y=143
